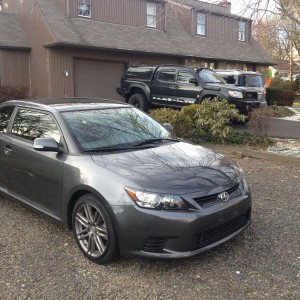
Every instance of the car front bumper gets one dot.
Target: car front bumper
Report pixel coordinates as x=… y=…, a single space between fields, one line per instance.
x=166 y=234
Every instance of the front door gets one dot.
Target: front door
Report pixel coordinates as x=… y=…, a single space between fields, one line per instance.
x=35 y=176
x=163 y=87
x=186 y=91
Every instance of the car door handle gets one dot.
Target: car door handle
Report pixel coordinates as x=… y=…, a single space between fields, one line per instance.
x=7 y=149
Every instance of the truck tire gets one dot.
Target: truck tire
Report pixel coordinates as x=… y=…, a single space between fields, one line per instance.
x=139 y=100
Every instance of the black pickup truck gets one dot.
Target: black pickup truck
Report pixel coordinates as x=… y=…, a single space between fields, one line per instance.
x=176 y=86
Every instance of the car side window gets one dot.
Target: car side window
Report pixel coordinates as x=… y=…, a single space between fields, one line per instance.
x=5 y=114
x=184 y=77
x=30 y=124
x=166 y=75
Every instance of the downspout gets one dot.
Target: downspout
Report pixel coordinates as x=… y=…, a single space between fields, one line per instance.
x=68 y=14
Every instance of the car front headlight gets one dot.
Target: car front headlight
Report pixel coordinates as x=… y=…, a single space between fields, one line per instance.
x=241 y=176
x=156 y=200
x=235 y=94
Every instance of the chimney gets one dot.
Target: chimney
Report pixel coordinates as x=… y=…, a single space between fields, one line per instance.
x=227 y=6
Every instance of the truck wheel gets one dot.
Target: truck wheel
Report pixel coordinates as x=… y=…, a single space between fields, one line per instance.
x=139 y=101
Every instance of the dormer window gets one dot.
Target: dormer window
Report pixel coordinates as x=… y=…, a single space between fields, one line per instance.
x=151 y=15
x=242 y=31
x=84 y=8
x=201 y=20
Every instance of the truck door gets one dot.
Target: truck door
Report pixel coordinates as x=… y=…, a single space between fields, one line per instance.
x=187 y=92
x=163 y=86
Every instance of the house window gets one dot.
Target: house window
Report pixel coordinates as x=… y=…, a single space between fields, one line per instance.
x=84 y=8
x=151 y=15
x=0 y=5
x=200 y=24
x=242 y=31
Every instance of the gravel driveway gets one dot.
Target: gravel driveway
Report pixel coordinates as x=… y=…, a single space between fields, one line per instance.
x=40 y=260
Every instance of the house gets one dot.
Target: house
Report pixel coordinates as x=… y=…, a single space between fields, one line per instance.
x=282 y=68
x=81 y=47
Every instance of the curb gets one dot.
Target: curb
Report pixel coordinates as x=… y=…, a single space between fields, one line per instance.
x=235 y=152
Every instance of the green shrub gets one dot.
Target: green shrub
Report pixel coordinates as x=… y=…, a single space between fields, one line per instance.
x=212 y=120
x=287 y=98
x=164 y=115
x=207 y=121
x=273 y=96
x=297 y=83
x=277 y=83
x=13 y=92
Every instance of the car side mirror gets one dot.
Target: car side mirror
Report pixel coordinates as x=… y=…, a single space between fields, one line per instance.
x=46 y=144
x=194 y=81
x=168 y=126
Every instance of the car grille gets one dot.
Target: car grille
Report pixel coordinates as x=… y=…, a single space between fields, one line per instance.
x=211 y=200
x=210 y=236
x=251 y=95
x=155 y=244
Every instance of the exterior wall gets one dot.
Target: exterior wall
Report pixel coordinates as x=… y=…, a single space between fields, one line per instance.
x=14 y=68
x=62 y=59
x=37 y=34
x=218 y=27
x=125 y=12
x=62 y=5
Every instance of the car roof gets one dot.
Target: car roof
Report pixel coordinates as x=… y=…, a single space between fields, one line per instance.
x=236 y=72
x=68 y=104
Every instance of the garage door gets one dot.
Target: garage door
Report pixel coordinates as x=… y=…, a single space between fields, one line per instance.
x=97 y=78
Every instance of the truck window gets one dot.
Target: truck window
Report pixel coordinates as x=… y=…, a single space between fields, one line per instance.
x=184 y=77
x=166 y=75
x=139 y=73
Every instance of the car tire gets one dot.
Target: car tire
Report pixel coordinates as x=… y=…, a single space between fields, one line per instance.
x=139 y=100
x=94 y=231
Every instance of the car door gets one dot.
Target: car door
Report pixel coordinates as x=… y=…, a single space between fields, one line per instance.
x=163 y=86
x=35 y=176
x=186 y=91
x=5 y=115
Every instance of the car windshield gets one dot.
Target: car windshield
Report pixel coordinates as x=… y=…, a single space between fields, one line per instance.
x=113 y=128
x=250 y=80
x=209 y=76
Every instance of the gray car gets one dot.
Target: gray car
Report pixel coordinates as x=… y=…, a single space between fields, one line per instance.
x=121 y=181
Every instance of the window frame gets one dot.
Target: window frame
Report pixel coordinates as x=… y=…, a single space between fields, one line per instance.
x=242 y=31
x=202 y=24
x=82 y=2
x=150 y=15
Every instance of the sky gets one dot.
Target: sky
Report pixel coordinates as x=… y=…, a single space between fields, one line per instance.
x=239 y=7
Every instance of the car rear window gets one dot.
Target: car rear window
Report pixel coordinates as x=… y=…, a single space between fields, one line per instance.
x=139 y=73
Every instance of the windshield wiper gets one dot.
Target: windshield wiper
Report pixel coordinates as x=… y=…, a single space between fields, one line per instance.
x=114 y=148
x=157 y=140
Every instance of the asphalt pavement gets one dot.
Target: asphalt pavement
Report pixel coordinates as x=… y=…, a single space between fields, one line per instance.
x=279 y=128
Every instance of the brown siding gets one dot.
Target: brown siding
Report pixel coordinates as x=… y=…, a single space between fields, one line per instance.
x=63 y=60
x=125 y=12
x=218 y=27
x=14 y=68
x=186 y=18
x=62 y=5
x=37 y=34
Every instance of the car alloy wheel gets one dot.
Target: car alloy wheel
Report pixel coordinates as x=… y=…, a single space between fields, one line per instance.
x=93 y=230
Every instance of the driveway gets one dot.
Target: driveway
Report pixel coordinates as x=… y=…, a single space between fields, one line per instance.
x=287 y=128
x=39 y=260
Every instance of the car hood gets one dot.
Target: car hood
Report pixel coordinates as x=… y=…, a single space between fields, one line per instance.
x=177 y=168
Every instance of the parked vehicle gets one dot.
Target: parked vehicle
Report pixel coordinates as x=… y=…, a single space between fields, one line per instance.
x=176 y=86
x=121 y=181
x=246 y=80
